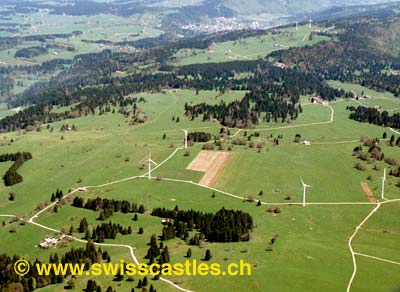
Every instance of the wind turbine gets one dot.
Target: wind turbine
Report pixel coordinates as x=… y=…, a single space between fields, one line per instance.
x=110 y=6
x=150 y=162
x=186 y=137
x=383 y=183
x=305 y=186
x=297 y=25
x=310 y=23
x=64 y=7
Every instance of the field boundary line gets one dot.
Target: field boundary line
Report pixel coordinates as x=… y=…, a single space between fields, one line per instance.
x=377 y=258
x=349 y=243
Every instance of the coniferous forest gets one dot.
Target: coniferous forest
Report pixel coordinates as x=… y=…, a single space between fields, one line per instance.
x=11 y=177
x=222 y=226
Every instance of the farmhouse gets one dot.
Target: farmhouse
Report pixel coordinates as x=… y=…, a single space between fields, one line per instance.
x=48 y=241
x=315 y=99
x=280 y=65
x=166 y=221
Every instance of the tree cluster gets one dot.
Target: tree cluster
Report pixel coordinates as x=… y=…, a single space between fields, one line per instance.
x=108 y=206
x=103 y=231
x=222 y=226
x=199 y=137
x=374 y=116
x=11 y=177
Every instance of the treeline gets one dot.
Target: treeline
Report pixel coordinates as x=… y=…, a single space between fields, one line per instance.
x=32 y=117
x=6 y=85
x=217 y=70
x=199 y=137
x=102 y=231
x=11 y=177
x=108 y=206
x=223 y=226
x=374 y=116
x=31 y=52
x=10 y=281
x=10 y=42
x=43 y=68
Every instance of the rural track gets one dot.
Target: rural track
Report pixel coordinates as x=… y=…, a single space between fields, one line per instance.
x=394 y=131
x=377 y=258
x=331 y=120
x=131 y=249
x=357 y=229
x=7 y=215
x=349 y=243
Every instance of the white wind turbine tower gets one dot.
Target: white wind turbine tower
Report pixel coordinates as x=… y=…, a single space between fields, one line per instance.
x=310 y=23
x=383 y=183
x=64 y=5
x=186 y=137
x=297 y=25
x=305 y=186
x=150 y=162
x=110 y=6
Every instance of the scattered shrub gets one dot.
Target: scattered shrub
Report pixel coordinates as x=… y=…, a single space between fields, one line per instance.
x=359 y=166
x=391 y=160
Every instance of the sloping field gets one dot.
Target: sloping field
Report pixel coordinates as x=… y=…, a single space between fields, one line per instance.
x=210 y=162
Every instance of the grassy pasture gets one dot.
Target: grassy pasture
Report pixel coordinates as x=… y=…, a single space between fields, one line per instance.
x=380 y=236
x=249 y=48
x=385 y=100
x=96 y=153
x=376 y=275
x=312 y=243
x=303 y=235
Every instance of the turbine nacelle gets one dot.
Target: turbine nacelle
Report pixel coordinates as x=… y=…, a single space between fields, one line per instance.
x=304 y=184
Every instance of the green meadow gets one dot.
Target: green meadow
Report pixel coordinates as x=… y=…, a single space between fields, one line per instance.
x=251 y=48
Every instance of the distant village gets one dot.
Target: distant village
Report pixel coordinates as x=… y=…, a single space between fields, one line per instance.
x=224 y=24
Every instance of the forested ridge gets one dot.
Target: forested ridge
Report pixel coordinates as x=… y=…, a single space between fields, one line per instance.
x=272 y=93
x=356 y=55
